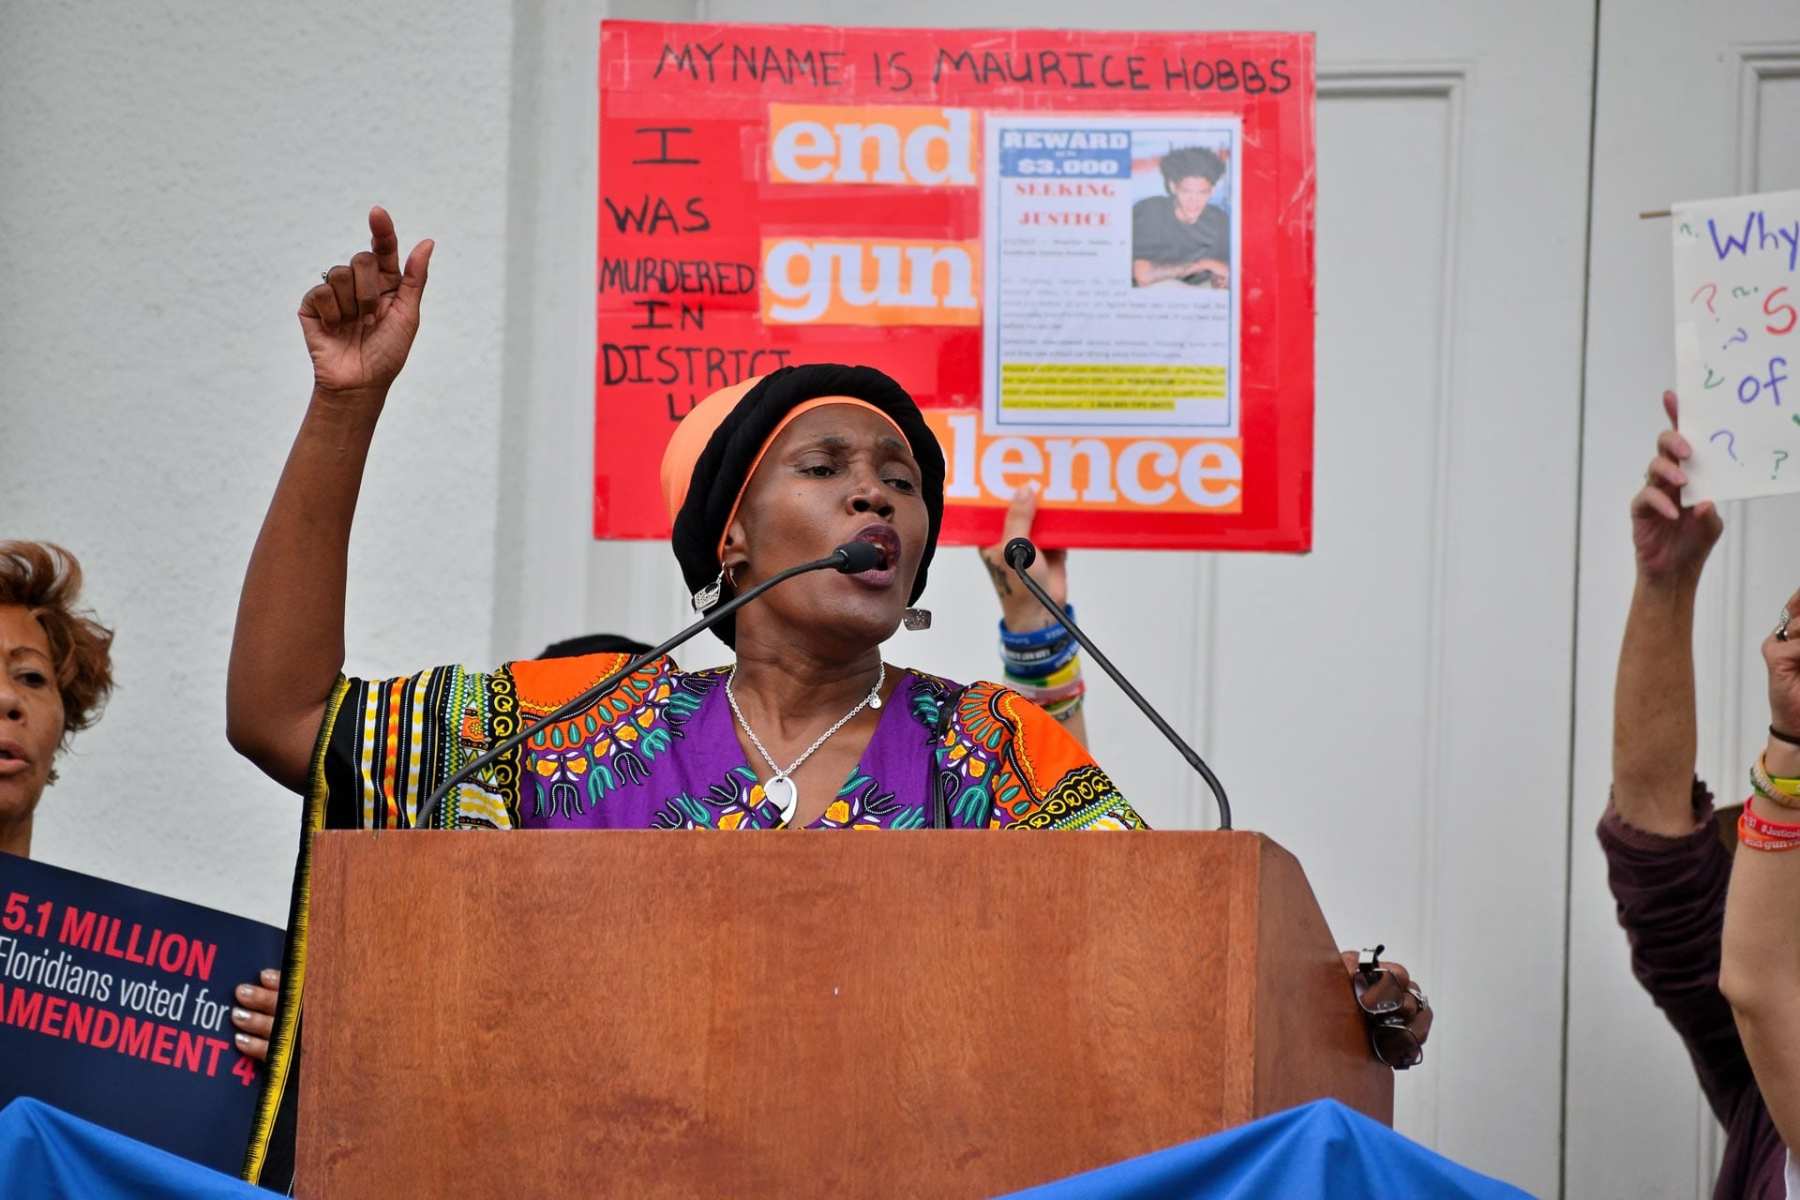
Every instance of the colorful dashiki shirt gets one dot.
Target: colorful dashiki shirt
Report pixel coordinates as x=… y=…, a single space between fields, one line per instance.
x=660 y=751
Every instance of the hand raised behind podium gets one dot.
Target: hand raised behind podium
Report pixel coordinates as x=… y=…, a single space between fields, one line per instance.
x=1021 y=612
x=1394 y=1008
x=360 y=322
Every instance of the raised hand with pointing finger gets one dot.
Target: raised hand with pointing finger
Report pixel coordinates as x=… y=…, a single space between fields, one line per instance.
x=360 y=321
x=359 y=324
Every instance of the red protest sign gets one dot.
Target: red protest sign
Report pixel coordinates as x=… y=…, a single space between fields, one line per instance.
x=1088 y=255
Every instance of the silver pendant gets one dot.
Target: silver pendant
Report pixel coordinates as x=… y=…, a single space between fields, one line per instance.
x=784 y=794
x=874 y=699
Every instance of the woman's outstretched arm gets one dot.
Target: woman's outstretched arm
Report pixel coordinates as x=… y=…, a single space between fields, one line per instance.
x=288 y=647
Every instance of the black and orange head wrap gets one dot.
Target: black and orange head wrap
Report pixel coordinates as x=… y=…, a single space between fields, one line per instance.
x=715 y=450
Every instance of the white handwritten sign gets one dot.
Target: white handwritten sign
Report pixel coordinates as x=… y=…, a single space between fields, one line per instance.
x=1737 y=305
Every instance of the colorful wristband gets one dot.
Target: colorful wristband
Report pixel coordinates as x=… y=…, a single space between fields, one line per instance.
x=1047 y=636
x=1043 y=697
x=1757 y=823
x=1037 y=654
x=1751 y=833
x=1785 y=784
x=1067 y=673
x=1040 y=668
x=1769 y=789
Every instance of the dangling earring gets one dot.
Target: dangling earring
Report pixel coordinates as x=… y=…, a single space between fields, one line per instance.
x=713 y=592
x=708 y=596
x=916 y=619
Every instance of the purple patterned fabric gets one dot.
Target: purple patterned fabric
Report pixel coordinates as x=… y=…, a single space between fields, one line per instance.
x=689 y=771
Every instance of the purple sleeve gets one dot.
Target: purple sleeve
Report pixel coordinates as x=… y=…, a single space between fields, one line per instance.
x=1671 y=900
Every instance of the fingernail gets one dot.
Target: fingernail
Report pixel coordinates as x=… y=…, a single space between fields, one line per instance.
x=271 y=978
x=243 y=991
x=1021 y=492
x=243 y=1039
x=240 y=1014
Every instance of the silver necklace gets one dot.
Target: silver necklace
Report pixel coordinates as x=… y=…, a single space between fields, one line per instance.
x=780 y=787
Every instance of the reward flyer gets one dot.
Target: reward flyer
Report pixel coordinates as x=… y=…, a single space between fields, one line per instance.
x=1109 y=298
x=1088 y=255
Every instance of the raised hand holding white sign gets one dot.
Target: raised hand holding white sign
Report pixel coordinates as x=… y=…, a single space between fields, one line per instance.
x=1737 y=306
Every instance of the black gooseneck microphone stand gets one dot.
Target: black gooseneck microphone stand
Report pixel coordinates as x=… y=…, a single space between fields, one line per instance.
x=1020 y=554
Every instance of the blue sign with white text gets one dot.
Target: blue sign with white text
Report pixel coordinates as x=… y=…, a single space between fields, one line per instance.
x=1065 y=154
x=115 y=1005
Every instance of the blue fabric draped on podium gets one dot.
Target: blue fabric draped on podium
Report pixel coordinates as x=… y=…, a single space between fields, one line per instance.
x=46 y=1154
x=1321 y=1150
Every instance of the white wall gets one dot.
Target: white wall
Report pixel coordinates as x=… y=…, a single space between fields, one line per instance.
x=172 y=178
x=555 y=581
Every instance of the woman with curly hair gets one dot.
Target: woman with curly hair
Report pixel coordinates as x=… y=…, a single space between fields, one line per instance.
x=58 y=673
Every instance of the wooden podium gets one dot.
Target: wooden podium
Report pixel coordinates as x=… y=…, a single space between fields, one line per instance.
x=653 y=1014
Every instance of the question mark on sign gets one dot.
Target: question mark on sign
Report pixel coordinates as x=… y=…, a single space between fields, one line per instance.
x=1780 y=457
x=1730 y=441
x=1742 y=335
x=1712 y=290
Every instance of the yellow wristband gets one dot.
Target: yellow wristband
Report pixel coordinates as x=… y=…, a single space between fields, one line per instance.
x=1784 y=791
x=1068 y=673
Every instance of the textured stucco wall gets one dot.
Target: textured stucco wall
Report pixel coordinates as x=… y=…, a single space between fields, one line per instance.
x=172 y=178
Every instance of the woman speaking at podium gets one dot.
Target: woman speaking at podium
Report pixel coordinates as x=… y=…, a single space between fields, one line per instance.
x=809 y=728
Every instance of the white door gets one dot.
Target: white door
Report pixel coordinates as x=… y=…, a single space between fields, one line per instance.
x=1392 y=708
x=1692 y=101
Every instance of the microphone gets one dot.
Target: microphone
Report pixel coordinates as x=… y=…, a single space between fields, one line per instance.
x=1020 y=554
x=851 y=558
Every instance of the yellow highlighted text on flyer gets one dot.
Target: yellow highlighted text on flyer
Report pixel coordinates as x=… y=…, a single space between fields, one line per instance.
x=1107 y=386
